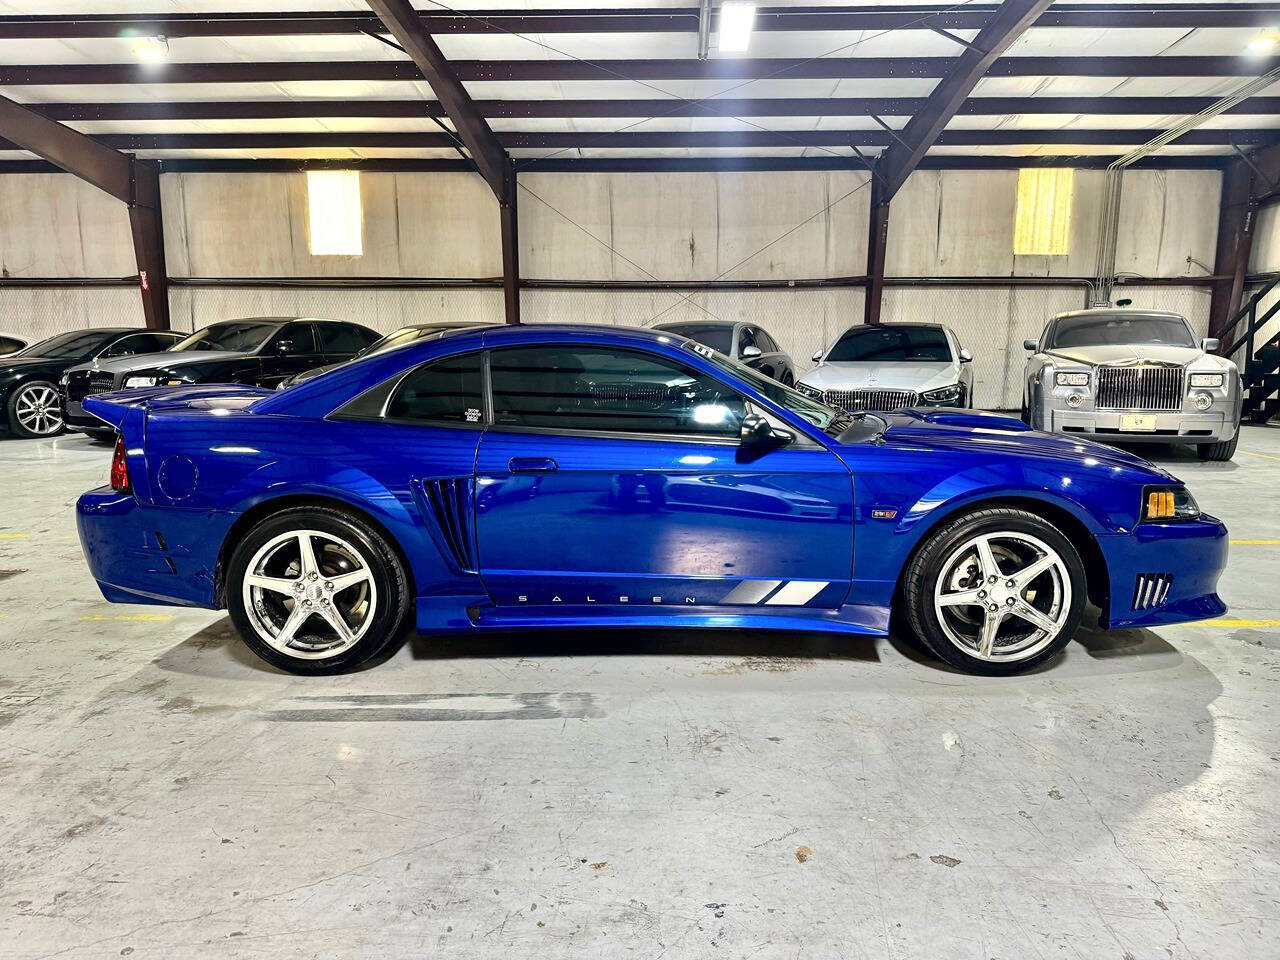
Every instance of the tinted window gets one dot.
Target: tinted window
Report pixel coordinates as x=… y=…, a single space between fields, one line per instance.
x=445 y=391
x=747 y=338
x=892 y=344
x=765 y=342
x=340 y=338
x=293 y=339
x=717 y=336
x=69 y=345
x=235 y=335
x=10 y=344
x=587 y=388
x=1096 y=331
x=140 y=343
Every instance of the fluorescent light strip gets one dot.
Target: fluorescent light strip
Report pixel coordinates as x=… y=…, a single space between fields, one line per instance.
x=736 y=23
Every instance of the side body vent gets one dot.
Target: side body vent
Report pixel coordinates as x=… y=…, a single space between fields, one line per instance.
x=447 y=504
x=1151 y=589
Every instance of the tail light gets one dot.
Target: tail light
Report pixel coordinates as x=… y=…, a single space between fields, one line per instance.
x=120 y=468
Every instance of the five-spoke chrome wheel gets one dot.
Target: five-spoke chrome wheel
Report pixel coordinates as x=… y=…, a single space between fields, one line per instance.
x=309 y=594
x=1003 y=596
x=37 y=409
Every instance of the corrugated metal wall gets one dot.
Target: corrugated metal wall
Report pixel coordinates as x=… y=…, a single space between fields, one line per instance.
x=697 y=228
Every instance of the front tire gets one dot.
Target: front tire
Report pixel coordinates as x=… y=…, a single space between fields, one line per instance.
x=995 y=591
x=315 y=590
x=1223 y=450
x=35 y=410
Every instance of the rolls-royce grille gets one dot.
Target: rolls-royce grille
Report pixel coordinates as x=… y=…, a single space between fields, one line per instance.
x=83 y=383
x=1139 y=388
x=856 y=400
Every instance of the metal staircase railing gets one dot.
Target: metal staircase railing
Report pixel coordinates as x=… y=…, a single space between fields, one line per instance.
x=1261 y=377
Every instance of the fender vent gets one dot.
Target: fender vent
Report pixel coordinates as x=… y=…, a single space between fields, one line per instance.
x=449 y=505
x=1151 y=589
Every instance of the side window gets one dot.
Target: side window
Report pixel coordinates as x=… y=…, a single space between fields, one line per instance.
x=611 y=391
x=765 y=342
x=294 y=338
x=340 y=338
x=450 y=390
x=747 y=338
x=127 y=346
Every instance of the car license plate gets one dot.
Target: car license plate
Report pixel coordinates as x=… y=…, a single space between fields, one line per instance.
x=1138 y=422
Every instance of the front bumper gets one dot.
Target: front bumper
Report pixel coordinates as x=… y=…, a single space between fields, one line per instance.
x=75 y=417
x=142 y=554
x=1185 y=560
x=1176 y=426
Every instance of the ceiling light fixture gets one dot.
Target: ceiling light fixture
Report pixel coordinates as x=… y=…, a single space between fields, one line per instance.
x=1264 y=43
x=736 y=23
x=151 y=49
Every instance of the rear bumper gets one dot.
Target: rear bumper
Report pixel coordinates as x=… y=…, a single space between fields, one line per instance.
x=140 y=554
x=1189 y=556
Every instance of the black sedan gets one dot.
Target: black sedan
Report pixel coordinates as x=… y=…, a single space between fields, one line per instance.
x=29 y=379
x=748 y=343
x=397 y=338
x=258 y=351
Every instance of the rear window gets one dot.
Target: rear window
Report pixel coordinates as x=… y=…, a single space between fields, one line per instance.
x=892 y=344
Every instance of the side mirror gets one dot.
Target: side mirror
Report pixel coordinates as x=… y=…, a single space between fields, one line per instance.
x=817 y=356
x=750 y=353
x=965 y=356
x=282 y=348
x=759 y=437
x=1210 y=344
x=1032 y=345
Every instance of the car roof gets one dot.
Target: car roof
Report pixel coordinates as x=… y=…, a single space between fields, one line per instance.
x=1119 y=312
x=713 y=322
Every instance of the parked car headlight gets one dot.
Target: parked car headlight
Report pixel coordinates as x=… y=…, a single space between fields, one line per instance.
x=66 y=378
x=943 y=394
x=809 y=391
x=1067 y=378
x=131 y=382
x=1207 y=379
x=1162 y=504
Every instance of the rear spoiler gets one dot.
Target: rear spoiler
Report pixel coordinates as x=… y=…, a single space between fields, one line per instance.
x=113 y=408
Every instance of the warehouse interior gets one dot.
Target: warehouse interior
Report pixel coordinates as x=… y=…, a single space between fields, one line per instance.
x=804 y=168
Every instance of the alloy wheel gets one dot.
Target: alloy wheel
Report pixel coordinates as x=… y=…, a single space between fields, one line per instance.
x=38 y=410
x=309 y=594
x=1003 y=596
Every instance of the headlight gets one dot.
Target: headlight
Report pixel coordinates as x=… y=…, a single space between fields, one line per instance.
x=131 y=382
x=1067 y=379
x=1162 y=504
x=1206 y=379
x=809 y=391
x=943 y=394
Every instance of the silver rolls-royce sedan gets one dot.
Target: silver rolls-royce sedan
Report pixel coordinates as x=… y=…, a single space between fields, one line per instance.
x=1133 y=376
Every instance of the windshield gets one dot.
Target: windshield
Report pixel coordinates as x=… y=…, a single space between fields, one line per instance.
x=717 y=336
x=828 y=419
x=238 y=335
x=69 y=345
x=1111 y=329
x=891 y=344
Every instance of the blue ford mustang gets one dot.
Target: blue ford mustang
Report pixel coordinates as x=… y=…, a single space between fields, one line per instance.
x=565 y=476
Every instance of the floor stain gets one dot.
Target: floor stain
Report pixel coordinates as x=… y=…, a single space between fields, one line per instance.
x=803 y=853
x=6 y=574
x=1054 y=794
x=943 y=860
x=760 y=665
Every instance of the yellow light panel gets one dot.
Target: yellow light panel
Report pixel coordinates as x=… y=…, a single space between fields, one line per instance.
x=334 y=218
x=1042 y=222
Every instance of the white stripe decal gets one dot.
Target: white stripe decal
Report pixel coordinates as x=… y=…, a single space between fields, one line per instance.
x=751 y=591
x=797 y=593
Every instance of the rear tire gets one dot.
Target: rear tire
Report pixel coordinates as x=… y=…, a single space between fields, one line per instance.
x=35 y=410
x=1001 y=608
x=319 y=614
x=1223 y=450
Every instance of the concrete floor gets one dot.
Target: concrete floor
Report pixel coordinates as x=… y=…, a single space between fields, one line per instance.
x=163 y=794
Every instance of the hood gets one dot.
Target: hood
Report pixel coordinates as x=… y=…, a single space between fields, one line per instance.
x=166 y=359
x=1121 y=353
x=919 y=376
x=994 y=433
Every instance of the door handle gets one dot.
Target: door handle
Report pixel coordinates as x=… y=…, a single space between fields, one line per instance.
x=532 y=465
